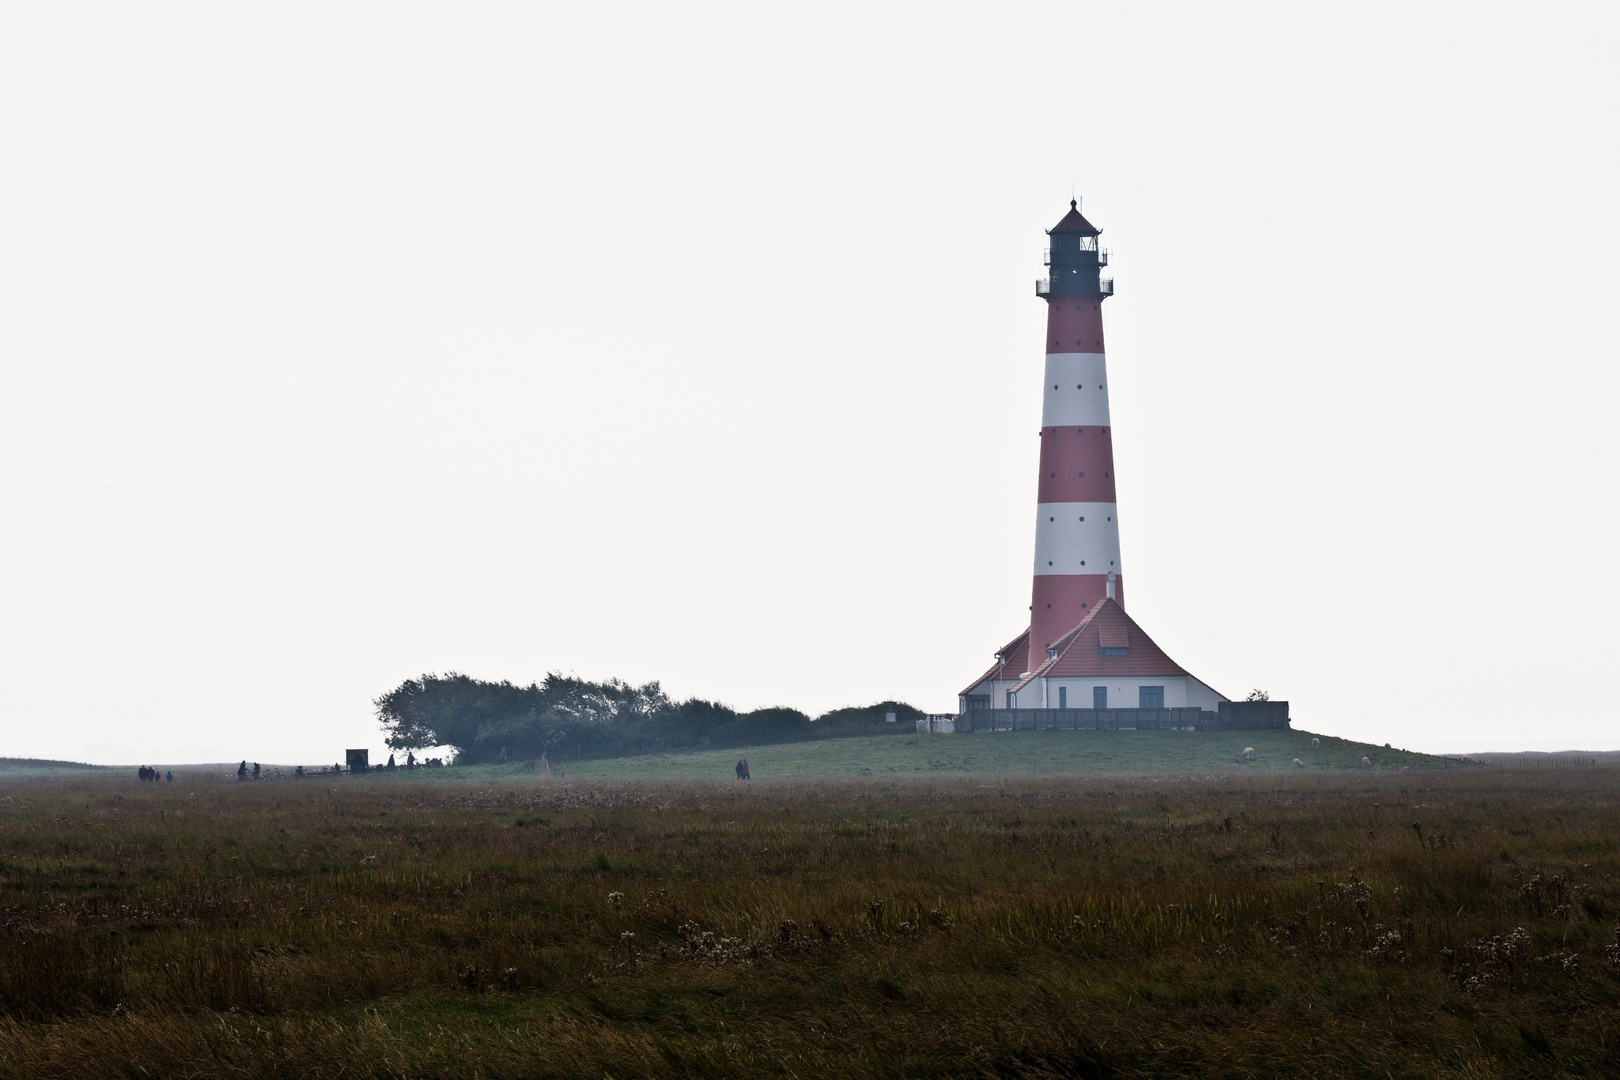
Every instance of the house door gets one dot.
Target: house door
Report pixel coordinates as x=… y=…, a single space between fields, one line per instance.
x=1099 y=697
x=1063 y=697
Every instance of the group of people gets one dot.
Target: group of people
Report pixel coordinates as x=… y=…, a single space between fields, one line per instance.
x=242 y=771
x=411 y=762
x=742 y=769
x=149 y=774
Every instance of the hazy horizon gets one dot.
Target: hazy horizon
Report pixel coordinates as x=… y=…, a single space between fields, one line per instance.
x=699 y=344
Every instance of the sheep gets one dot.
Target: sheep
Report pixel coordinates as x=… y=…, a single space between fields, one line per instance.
x=1316 y=744
x=1366 y=761
x=1248 y=753
x=1299 y=763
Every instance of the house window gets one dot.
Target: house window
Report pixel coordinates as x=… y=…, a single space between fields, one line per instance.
x=1063 y=697
x=1012 y=700
x=1113 y=640
x=1152 y=697
x=978 y=701
x=1099 y=697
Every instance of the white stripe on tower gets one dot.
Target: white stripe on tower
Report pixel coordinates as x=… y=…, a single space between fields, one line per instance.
x=1076 y=538
x=1076 y=390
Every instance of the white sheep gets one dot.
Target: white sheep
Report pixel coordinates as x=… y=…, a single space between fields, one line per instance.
x=1316 y=744
x=1366 y=761
x=1299 y=763
x=1248 y=753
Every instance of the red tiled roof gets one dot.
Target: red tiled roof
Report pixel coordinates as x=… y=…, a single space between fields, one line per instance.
x=1073 y=222
x=1017 y=653
x=1079 y=652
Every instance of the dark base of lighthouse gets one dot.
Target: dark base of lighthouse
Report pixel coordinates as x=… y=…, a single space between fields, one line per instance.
x=1230 y=716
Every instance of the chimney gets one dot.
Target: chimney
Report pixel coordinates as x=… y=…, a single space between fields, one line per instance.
x=1109 y=586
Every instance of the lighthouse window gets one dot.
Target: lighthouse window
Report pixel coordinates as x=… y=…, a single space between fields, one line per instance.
x=1049 y=562
x=1082 y=518
x=1083 y=475
x=1082 y=562
x=1077 y=386
x=1051 y=519
x=1079 y=431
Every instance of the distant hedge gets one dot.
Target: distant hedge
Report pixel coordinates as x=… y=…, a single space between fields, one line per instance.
x=568 y=717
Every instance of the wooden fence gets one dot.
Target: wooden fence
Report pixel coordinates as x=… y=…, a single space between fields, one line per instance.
x=1232 y=716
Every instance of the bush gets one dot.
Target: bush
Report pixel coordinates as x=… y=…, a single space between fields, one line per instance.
x=562 y=714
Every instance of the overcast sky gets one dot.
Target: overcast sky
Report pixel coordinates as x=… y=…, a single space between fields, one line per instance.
x=341 y=343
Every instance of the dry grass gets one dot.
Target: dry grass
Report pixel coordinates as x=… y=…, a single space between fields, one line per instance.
x=1298 y=926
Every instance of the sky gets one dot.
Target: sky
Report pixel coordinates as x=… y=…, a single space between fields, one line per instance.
x=342 y=343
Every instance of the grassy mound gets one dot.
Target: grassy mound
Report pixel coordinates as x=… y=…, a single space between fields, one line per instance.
x=1013 y=753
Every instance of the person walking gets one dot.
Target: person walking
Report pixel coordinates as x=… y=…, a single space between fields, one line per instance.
x=241 y=771
x=746 y=775
x=169 y=776
x=255 y=770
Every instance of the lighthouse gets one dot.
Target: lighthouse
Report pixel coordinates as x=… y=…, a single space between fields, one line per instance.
x=1080 y=650
x=1076 y=511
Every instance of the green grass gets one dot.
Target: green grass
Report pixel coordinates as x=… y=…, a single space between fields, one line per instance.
x=1004 y=753
x=11 y=766
x=1323 y=923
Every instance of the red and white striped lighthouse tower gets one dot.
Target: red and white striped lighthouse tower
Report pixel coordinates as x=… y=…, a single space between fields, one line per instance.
x=1077 y=520
x=1081 y=650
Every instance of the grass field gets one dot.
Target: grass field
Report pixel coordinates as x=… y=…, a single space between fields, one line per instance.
x=1317 y=923
x=44 y=767
x=1012 y=753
